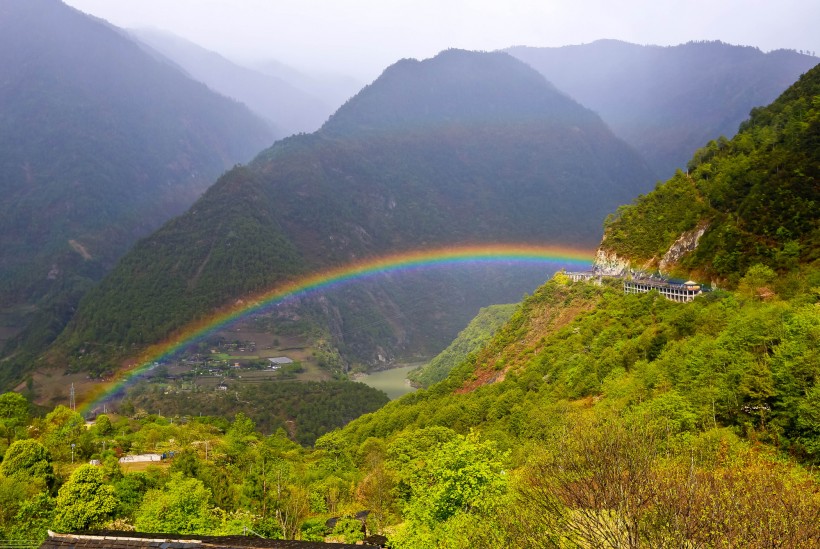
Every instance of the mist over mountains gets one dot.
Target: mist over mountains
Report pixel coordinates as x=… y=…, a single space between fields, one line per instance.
x=99 y=145
x=465 y=147
x=276 y=95
x=668 y=101
x=460 y=148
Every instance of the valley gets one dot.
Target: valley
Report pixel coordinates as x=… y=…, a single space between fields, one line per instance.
x=461 y=311
x=393 y=381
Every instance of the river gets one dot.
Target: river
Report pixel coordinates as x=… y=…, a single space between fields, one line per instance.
x=393 y=381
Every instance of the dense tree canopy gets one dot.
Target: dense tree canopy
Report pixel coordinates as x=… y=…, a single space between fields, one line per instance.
x=756 y=194
x=85 y=501
x=29 y=461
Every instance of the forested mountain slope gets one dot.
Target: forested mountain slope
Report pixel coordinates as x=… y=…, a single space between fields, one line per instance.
x=592 y=418
x=754 y=199
x=469 y=340
x=591 y=402
x=99 y=145
x=289 y=108
x=462 y=148
x=668 y=101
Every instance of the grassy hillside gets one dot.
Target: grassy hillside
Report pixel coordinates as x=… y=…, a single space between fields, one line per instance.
x=592 y=418
x=577 y=341
x=590 y=407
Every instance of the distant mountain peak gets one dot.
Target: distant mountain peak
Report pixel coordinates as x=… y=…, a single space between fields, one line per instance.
x=454 y=87
x=465 y=147
x=285 y=104
x=666 y=101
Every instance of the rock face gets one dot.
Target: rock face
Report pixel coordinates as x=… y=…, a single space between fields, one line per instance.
x=608 y=263
x=685 y=243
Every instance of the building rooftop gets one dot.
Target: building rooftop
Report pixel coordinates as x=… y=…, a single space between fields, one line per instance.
x=140 y=540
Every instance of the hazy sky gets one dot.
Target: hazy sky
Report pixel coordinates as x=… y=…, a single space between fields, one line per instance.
x=362 y=37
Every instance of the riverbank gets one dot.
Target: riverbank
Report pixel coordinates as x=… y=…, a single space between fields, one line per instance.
x=394 y=381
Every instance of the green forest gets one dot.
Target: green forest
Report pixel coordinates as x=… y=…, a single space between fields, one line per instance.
x=100 y=144
x=592 y=418
x=582 y=417
x=425 y=156
x=306 y=410
x=469 y=340
x=757 y=194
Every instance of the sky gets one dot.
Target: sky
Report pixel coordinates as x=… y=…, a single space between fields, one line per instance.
x=362 y=37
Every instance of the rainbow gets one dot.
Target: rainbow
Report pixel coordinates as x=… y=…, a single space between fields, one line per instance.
x=330 y=278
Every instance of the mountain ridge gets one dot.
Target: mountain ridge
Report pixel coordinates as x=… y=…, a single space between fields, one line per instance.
x=287 y=107
x=99 y=144
x=735 y=195
x=410 y=187
x=666 y=101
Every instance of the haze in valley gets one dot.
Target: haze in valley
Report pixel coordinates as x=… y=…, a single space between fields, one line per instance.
x=362 y=37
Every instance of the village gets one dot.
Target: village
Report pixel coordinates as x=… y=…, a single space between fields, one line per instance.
x=237 y=356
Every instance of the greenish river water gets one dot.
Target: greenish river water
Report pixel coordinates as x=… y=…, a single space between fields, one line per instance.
x=393 y=381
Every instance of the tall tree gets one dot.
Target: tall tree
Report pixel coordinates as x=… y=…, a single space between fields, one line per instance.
x=182 y=507
x=85 y=501
x=13 y=414
x=28 y=460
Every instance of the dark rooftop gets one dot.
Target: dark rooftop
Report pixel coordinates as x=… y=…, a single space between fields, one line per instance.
x=140 y=540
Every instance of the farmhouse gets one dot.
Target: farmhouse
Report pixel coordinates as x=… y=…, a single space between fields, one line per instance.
x=141 y=458
x=279 y=361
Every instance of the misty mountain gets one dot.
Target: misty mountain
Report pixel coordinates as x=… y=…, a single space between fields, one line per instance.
x=100 y=144
x=462 y=148
x=749 y=201
x=667 y=101
x=286 y=106
x=332 y=88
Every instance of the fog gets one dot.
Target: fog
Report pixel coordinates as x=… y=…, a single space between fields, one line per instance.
x=362 y=37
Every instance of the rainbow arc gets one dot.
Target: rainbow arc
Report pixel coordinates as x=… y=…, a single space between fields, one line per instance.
x=328 y=279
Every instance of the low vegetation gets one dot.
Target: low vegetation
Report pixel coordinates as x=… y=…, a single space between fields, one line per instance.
x=469 y=340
